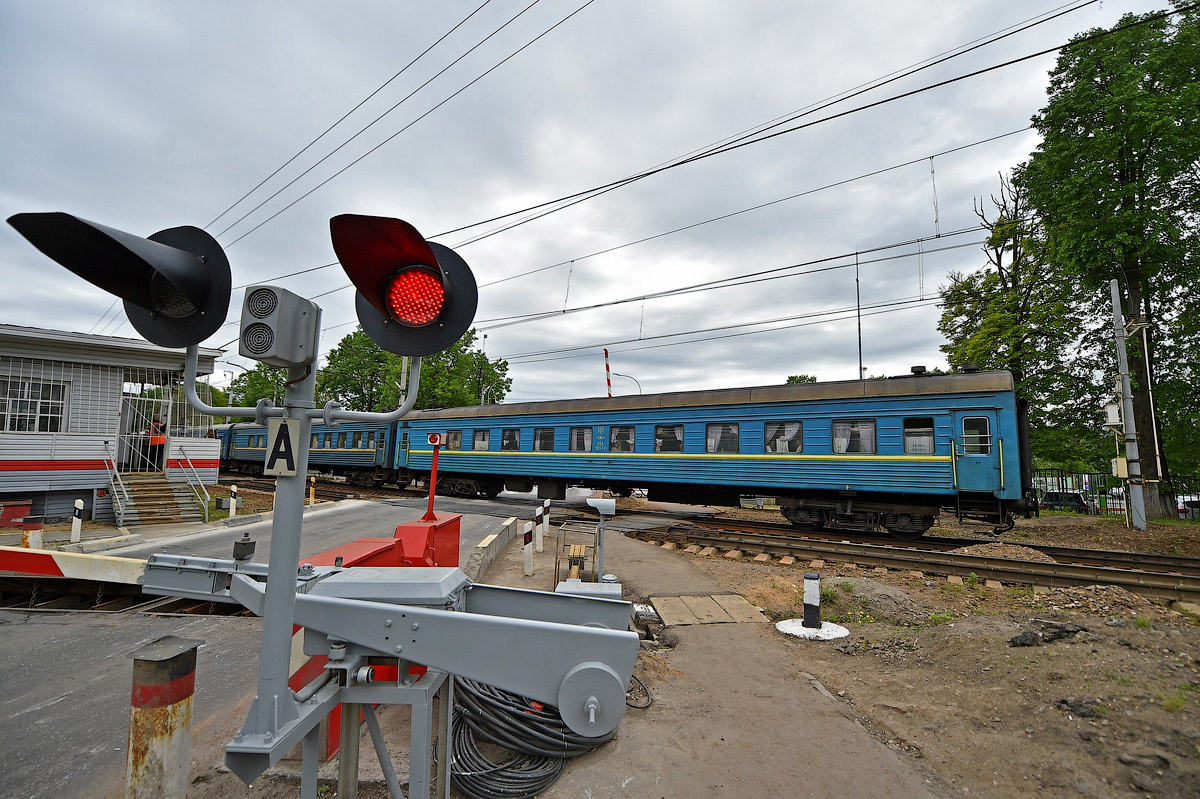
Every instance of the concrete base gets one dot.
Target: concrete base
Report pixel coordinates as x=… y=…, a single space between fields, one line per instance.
x=826 y=632
x=596 y=590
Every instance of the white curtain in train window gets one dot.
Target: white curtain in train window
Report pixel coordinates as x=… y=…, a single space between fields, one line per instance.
x=854 y=435
x=581 y=439
x=721 y=437
x=784 y=437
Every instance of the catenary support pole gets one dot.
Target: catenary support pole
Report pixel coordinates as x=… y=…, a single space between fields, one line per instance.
x=1137 y=501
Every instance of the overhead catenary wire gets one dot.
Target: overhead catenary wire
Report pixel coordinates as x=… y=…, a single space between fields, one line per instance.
x=471 y=83
x=344 y=116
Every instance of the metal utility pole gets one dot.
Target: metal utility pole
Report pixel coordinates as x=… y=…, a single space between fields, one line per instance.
x=1137 y=502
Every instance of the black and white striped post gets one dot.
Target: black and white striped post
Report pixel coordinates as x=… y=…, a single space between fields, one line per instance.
x=528 y=541
x=77 y=522
x=538 y=516
x=810 y=625
x=812 y=600
x=232 y=501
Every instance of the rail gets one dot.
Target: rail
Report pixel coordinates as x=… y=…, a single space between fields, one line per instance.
x=190 y=471
x=120 y=494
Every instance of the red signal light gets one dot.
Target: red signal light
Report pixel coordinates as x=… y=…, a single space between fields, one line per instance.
x=416 y=296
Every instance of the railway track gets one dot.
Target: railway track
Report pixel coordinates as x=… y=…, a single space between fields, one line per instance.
x=1084 y=557
x=1095 y=568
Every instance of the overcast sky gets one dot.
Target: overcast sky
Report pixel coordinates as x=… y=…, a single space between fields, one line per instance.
x=149 y=115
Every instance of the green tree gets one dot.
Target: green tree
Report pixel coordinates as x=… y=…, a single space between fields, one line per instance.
x=261 y=382
x=801 y=379
x=362 y=377
x=1017 y=313
x=1116 y=184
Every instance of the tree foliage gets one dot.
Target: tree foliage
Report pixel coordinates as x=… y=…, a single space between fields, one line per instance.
x=801 y=379
x=1018 y=313
x=261 y=382
x=362 y=377
x=1116 y=184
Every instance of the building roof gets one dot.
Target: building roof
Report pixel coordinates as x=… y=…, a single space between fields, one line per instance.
x=62 y=345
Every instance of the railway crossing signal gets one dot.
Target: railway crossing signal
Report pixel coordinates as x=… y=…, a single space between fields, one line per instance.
x=175 y=283
x=415 y=297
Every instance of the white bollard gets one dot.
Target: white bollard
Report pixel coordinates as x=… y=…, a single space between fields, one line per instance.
x=545 y=519
x=232 y=501
x=528 y=549
x=77 y=522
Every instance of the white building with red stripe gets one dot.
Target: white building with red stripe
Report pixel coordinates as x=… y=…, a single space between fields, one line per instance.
x=75 y=417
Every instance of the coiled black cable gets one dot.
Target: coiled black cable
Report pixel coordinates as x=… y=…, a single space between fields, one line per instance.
x=536 y=734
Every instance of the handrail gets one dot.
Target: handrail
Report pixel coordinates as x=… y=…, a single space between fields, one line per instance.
x=120 y=492
x=191 y=467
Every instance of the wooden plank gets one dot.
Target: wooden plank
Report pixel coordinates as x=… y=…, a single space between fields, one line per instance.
x=672 y=611
x=706 y=609
x=738 y=608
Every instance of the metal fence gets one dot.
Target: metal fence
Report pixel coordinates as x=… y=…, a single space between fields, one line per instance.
x=1103 y=493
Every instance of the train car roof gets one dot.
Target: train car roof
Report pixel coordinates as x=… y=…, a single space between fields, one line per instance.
x=906 y=385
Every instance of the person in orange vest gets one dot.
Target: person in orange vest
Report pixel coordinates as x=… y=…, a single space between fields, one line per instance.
x=158 y=437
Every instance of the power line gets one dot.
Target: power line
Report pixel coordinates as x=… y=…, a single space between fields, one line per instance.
x=813 y=318
x=342 y=119
x=741 y=280
x=760 y=206
x=410 y=124
x=736 y=140
x=604 y=188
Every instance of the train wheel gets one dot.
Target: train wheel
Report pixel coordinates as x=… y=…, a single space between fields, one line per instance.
x=905 y=526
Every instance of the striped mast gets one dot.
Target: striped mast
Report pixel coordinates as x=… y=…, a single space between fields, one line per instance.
x=607 y=372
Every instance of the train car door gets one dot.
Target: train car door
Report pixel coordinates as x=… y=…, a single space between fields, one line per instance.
x=976 y=454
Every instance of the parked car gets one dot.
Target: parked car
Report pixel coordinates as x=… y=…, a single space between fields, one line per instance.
x=1074 y=501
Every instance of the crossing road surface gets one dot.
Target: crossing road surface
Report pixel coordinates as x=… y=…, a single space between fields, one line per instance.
x=64 y=688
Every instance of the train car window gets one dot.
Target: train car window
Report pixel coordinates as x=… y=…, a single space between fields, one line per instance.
x=853 y=435
x=721 y=437
x=453 y=439
x=341 y=440
x=976 y=436
x=370 y=440
x=328 y=439
x=783 y=437
x=483 y=439
x=381 y=441
x=357 y=440
x=543 y=439
x=668 y=438
x=510 y=440
x=404 y=440
x=581 y=439
x=918 y=436
x=621 y=438
x=312 y=444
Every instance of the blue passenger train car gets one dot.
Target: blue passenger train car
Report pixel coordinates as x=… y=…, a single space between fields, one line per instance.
x=857 y=454
x=854 y=454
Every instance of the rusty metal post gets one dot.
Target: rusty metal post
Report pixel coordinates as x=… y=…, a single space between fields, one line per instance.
x=31 y=532
x=160 y=719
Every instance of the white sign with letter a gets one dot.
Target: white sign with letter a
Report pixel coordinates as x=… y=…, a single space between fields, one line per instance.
x=283 y=447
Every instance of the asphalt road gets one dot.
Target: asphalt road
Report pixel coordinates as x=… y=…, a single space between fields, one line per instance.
x=64 y=688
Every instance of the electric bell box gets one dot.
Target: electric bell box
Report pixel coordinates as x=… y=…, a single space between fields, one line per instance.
x=279 y=328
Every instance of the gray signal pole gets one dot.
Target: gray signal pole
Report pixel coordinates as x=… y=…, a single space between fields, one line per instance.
x=1137 y=502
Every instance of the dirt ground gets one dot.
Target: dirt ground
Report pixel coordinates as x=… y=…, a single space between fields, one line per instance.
x=998 y=693
x=1004 y=693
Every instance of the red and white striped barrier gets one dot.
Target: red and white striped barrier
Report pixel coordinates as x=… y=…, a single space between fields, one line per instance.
x=71 y=564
